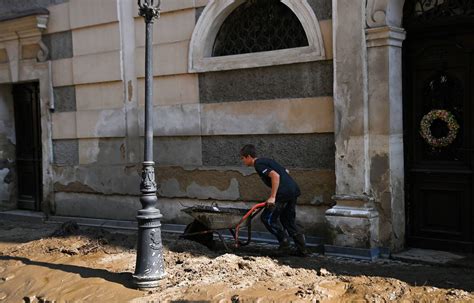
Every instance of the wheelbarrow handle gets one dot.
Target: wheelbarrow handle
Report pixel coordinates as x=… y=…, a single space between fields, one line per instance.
x=253 y=211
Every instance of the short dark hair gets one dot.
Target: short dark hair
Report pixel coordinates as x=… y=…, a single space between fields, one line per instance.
x=248 y=150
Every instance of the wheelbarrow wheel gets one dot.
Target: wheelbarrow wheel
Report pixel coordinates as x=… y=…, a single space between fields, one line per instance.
x=206 y=239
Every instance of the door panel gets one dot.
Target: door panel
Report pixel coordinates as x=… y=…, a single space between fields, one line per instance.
x=28 y=145
x=438 y=74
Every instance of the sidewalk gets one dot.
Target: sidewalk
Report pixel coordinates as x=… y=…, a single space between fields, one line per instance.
x=95 y=265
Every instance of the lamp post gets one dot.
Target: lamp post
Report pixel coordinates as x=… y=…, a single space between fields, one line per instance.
x=149 y=268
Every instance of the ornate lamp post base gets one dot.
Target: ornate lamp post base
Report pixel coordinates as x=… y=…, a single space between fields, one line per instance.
x=149 y=269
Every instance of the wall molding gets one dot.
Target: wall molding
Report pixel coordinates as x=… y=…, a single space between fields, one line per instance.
x=384 y=13
x=17 y=35
x=385 y=36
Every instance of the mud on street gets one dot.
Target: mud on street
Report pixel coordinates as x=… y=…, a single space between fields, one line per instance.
x=44 y=263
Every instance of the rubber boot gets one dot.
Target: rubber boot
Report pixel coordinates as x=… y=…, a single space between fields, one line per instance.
x=301 y=245
x=284 y=246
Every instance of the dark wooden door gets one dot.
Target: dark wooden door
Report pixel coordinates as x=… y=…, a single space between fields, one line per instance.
x=28 y=145
x=439 y=74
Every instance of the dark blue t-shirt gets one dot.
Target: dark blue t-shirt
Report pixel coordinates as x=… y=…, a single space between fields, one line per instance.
x=288 y=188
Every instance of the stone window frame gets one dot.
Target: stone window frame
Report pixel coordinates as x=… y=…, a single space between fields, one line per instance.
x=214 y=15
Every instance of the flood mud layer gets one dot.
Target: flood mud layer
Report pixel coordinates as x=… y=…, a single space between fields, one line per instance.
x=47 y=263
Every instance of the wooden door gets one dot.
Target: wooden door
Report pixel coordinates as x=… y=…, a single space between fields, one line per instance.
x=28 y=145
x=439 y=75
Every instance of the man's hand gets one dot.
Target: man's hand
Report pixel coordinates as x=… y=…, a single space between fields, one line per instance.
x=271 y=201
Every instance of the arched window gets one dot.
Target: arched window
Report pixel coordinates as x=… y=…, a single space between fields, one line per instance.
x=232 y=34
x=259 y=26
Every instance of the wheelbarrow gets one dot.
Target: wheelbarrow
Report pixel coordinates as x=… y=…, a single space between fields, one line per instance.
x=213 y=219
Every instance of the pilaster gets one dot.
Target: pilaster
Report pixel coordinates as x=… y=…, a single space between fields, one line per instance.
x=369 y=210
x=385 y=116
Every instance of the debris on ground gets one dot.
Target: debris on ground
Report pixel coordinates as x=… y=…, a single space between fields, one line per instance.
x=85 y=264
x=66 y=229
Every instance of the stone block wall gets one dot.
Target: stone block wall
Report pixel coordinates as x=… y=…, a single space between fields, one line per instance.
x=201 y=119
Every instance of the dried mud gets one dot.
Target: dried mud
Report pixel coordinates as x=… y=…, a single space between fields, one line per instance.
x=93 y=265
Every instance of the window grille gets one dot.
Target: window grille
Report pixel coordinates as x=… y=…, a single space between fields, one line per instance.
x=259 y=26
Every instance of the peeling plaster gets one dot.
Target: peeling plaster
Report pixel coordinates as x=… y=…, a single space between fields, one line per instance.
x=5 y=187
x=244 y=171
x=7 y=149
x=317 y=200
x=92 y=151
x=177 y=182
x=353 y=232
x=350 y=165
x=111 y=151
x=380 y=180
x=172 y=187
x=8 y=131
x=101 y=179
x=76 y=187
x=111 y=123
x=204 y=192
x=313 y=183
x=380 y=184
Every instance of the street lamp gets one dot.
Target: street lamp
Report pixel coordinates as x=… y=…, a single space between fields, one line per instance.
x=149 y=268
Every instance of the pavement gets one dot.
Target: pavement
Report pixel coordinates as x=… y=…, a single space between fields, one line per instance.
x=435 y=257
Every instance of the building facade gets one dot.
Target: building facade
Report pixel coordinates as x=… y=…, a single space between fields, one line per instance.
x=334 y=90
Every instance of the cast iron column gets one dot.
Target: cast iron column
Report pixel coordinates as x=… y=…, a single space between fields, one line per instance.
x=150 y=266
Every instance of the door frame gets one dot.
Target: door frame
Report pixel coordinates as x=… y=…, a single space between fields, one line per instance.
x=40 y=72
x=18 y=33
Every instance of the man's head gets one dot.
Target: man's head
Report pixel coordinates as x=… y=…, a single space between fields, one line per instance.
x=248 y=154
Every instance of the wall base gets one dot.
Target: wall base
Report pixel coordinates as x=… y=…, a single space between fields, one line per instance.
x=353 y=222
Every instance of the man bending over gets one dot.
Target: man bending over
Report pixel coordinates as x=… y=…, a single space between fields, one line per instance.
x=281 y=205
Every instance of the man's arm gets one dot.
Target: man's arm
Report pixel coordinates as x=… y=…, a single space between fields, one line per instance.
x=275 y=177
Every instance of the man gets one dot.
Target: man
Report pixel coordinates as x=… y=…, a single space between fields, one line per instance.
x=281 y=205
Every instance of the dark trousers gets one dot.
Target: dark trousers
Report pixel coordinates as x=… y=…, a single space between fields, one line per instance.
x=283 y=212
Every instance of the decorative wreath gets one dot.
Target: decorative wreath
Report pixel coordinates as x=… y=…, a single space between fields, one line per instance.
x=442 y=115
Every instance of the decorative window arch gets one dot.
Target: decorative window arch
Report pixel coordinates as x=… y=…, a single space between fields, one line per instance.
x=214 y=15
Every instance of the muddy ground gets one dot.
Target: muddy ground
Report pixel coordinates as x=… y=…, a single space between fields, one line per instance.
x=94 y=265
